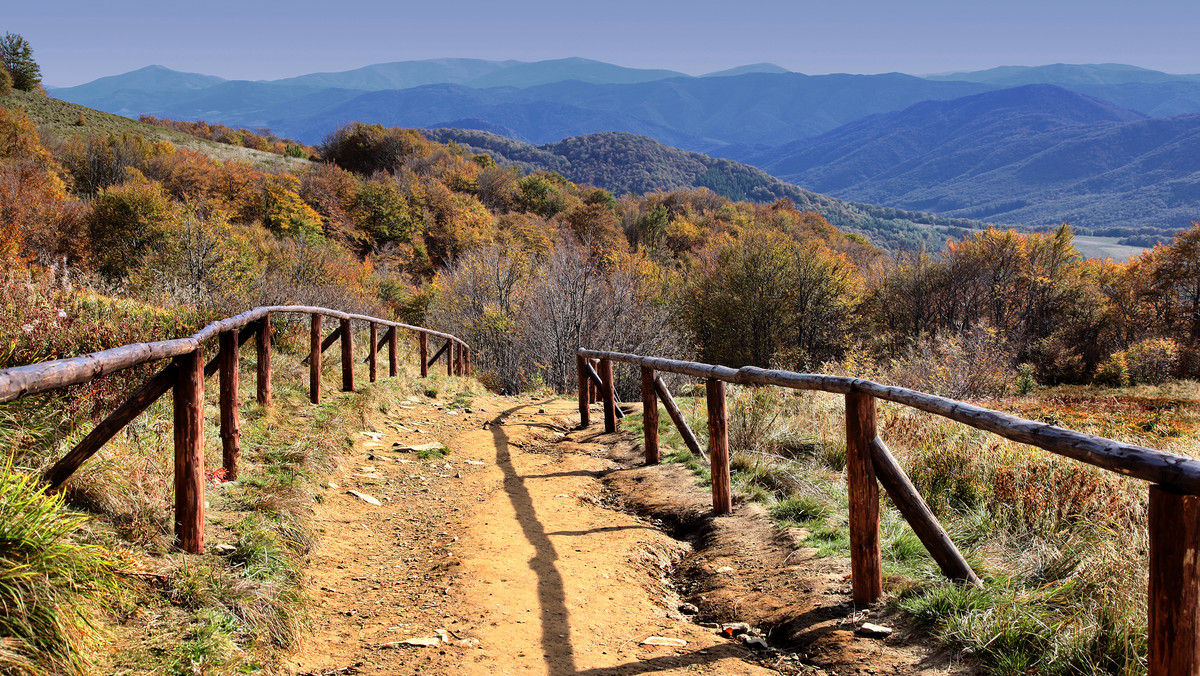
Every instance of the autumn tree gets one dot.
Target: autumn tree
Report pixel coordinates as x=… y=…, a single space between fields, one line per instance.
x=17 y=57
x=128 y=222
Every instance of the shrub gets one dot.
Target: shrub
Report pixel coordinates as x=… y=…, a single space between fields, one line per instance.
x=127 y=222
x=1114 y=371
x=1152 y=361
x=50 y=584
x=973 y=365
x=6 y=82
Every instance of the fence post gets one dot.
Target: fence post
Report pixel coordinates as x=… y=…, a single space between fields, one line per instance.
x=866 y=568
x=372 y=358
x=347 y=357
x=467 y=361
x=314 y=358
x=263 y=342
x=1174 y=591
x=585 y=385
x=189 y=452
x=718 y=445
x=393 y=363
x=650 y=415
x=424 y=342
x=450 y=357
x=594 y=391
x=231 y=431
x=608 y=393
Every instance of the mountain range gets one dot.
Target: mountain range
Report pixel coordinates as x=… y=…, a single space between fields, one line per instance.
x=1103 y=146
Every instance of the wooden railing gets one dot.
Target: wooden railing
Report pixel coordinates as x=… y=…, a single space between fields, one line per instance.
x=185 y=375
x=1174 y=514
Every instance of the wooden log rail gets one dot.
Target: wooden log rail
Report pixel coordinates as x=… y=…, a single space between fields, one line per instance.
x=184 y=375
x=1174 y=493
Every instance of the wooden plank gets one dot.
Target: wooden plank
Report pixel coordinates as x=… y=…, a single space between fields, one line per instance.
x=314 y=357
x=423 y=341
x=373 y=346
x=718 y=446
x=393 y=355
x=585 y=412
x=146 y=395
x=231 y=428
x=906 y=498
x=347 y=336
x=436 y=355
x=649 y=416
x=597 y=386
x=608 y=394
x=263 y=343
x=189 y=452
x=1173 y=609
x=689 y=438
x=866 y=566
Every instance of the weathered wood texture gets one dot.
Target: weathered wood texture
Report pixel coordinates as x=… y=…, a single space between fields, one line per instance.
x=649 y=416
x=689 y=438
x=1148 y=464
x=42 y=377
x=718 y=446
x=189 y=451
x=423 y=341
x=585 y=413
x=263 y=343
x=906 y=498
x=347 y=336
x=393 y=354
x=596 y=388
x=116 y=421
x=373 y=346
x=314 y=358
x=1174 y=589
x=231 y=427
x=608 y=394
x=866 y=567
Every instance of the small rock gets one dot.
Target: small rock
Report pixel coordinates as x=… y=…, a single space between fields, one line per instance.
x=473 y=462
x=689 y=609
x=725 y=569
x=223 y=549
x=458 y=475
x=332 y=485
x=663 y=640
x=373 y=436
x=873 y=630
x=431 y=446
x=543 y=410
x=366 y=498
x=467 y=410
x=423 y=641
x=755 y=642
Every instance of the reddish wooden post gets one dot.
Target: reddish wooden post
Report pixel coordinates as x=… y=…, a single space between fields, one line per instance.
x=314 y=359
x=264 y=360
x=1174 y=590
x=231 y=431
x=449 y=357
x=467 y=361
x=650 y=415
x=424 y=341
x=585 y=413
x=608 y=393
x=347 y=357
x=393 y=364
x=866 y=568
x=189 y=452
x=718 y=445
x=372 y=357
x=594 y=391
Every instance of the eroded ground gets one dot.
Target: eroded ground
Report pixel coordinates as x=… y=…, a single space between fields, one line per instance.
x=534 y=548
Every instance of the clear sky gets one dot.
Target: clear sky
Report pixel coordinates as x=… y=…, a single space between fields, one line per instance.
x=77 y=41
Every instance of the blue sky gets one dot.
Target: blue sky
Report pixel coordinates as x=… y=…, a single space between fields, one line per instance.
x=76 y=41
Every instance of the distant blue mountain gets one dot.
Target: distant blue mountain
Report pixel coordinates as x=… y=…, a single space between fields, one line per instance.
x=1036 y=155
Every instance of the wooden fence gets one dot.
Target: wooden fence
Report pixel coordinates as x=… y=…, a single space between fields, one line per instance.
x=185 y=375
x=1174 y=515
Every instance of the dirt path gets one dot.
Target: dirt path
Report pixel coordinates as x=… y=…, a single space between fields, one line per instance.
x=510 y=555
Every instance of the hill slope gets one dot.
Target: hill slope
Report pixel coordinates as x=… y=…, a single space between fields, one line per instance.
x=624 y=163
x=1034 y=155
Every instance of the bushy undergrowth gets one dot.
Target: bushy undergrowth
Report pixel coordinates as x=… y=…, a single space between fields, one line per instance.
x=1061 y=546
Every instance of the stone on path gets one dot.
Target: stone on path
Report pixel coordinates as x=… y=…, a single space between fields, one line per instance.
x=873 y=630
x=366 y=498
x=662 y=640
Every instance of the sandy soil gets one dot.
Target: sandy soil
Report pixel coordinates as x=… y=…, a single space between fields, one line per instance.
x=533 y=548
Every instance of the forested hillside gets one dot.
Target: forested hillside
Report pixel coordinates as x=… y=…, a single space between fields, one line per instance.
x=626 y=163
